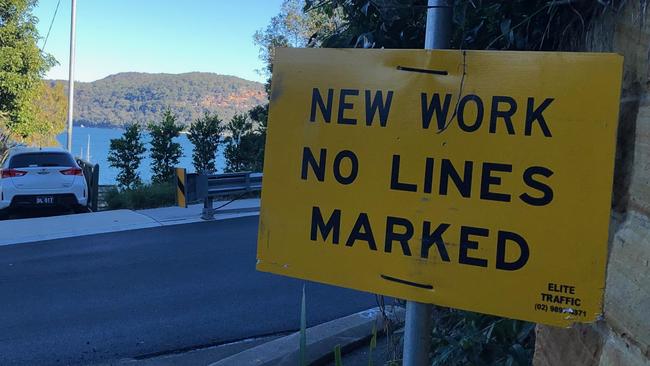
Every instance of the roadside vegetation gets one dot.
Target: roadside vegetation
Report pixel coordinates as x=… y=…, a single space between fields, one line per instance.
x=32 y=111
x=164 y=151
x=243 y=137
x=126 y=154
x=205 y=135
x=142 y=196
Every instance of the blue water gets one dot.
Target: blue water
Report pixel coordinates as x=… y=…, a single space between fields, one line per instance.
x=100 y=140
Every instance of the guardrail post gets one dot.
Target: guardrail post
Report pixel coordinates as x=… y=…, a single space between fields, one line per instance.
x=208 y=210
x=181 y=190
x=94 y=197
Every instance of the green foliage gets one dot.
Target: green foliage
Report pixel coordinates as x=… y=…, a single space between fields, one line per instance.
x=126 y=154
x=22 y=65
x=52 y=109
x=5 y=135
x=205 y=135
x=372 y=24
x=165 y=152
x=260 y=116
x=142 y=196
x=292 y=27
x=131 y=96
x=478 y=24
x=467 y=338
x=244 y=145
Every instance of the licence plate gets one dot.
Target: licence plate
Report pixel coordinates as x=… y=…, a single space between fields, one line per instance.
x=44 y=200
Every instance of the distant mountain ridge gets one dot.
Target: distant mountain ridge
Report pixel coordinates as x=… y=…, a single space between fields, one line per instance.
x=134 y=97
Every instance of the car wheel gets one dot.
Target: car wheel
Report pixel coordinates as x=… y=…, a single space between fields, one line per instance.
x=4 y=214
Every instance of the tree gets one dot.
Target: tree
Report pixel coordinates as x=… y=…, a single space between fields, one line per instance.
x=52 y=108
x=126 y=154
x=165 y=153
x=478 y=24
x=22 y=66
x=260 y=116
x=205 y=135
x=245 y=145
x=237 y=159
x=292 y=27
x=5 y=141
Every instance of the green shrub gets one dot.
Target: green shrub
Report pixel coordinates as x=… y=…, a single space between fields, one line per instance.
x=467 y=338
x=165 y=152
x=125 y=154
x=141 y=197
x=205 y=135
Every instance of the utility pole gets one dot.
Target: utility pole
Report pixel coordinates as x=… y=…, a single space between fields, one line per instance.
x=417 y=325
x=73 y=35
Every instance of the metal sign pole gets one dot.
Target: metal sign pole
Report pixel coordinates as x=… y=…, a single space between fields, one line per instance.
x=417 y=325
x=73 y=35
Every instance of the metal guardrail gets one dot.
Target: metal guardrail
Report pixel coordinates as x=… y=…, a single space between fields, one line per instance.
x=91 y=174
x=208 y=187
x=220 y=185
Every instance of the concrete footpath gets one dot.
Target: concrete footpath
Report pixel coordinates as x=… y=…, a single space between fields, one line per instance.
x=352 y=333
x=65 y=226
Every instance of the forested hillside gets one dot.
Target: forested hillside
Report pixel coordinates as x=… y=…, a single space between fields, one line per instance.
x=141 y=97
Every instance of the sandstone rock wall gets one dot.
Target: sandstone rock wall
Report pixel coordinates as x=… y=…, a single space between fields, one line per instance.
x=622 y=337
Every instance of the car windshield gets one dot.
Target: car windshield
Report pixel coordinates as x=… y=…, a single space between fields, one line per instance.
x=41 y=159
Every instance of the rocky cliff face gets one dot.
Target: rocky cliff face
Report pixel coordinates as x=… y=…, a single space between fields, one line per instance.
x=622 y=337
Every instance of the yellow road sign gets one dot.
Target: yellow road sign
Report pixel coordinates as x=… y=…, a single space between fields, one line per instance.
x=476 y=180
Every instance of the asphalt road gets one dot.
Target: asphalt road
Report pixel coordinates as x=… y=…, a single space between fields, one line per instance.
x=138 y=293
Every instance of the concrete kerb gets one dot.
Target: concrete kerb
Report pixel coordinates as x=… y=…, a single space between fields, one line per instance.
x=19 y=231
x=174 y=215
x=348 y=332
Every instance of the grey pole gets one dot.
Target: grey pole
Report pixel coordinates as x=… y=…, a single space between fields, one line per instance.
x=417 y=325
x=438 y=32
x=73 y=35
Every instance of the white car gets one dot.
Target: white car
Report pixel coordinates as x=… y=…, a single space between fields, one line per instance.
x=41 y=178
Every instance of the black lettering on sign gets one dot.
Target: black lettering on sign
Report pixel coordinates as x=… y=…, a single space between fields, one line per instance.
x=332 y=225
x=429 y=238
x=402 y=238
x=465 y=245
x=343 y=106
x=479 y=113
x=394 y=178
x=362 y=231
x=318 y=167
x=377 y=104
x=354 y=169
x=546 y=190
x=502 y=238
x=429 y=108
x=464 y=184
x=317 y=100
x=487 y=180
x=428 y=175
x=535 y=115
x=505 y=114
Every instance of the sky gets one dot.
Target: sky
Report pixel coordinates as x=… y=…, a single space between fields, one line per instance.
x=156 y=36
